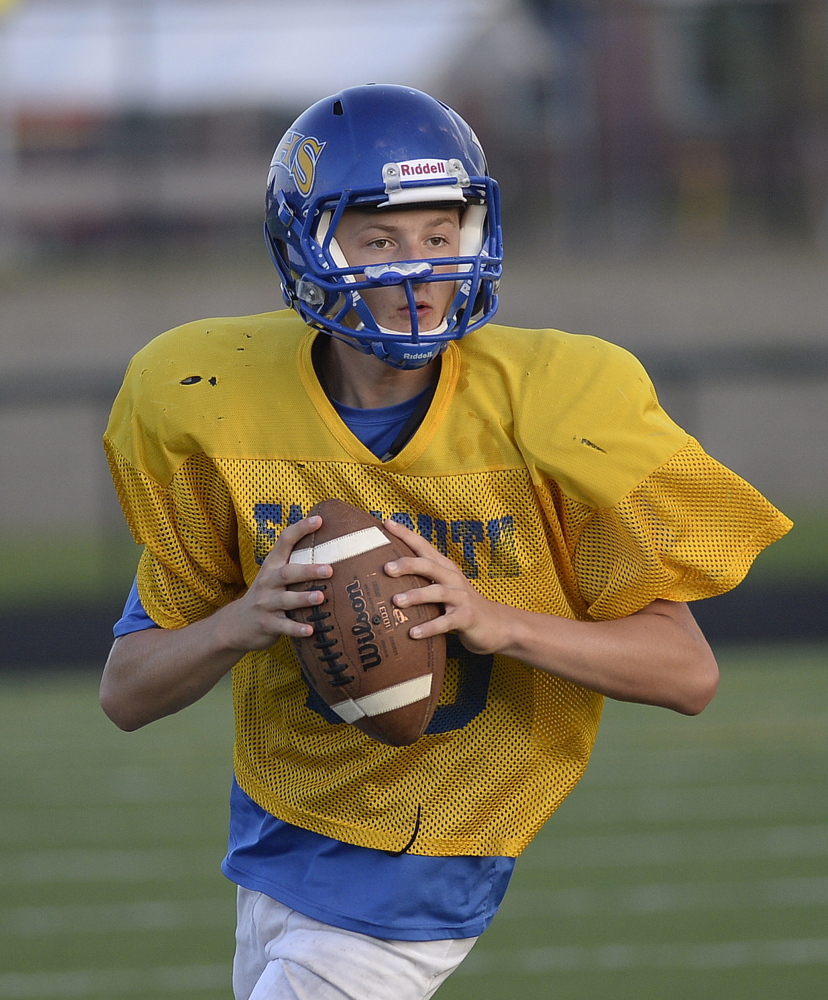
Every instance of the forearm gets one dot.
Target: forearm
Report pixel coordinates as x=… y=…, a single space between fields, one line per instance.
x=156 y=672
x=657 y=656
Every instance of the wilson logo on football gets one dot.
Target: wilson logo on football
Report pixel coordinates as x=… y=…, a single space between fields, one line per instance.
x=369 y=654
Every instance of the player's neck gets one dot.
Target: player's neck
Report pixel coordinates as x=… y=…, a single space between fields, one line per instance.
x=365 y=382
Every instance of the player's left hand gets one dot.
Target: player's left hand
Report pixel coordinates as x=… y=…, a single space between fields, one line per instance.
x=481 y=625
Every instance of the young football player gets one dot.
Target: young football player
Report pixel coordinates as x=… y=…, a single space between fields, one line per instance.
x=563 y=518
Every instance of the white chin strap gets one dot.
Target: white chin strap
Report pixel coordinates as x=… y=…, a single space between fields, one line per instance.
x=423 y=333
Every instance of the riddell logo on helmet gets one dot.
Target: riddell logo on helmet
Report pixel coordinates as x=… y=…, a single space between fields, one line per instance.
x=417 y=169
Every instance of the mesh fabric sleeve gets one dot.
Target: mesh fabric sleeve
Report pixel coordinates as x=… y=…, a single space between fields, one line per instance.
x=690 y=530
x=189 y=566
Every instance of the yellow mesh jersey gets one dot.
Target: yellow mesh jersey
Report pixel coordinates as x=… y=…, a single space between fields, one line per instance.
x=545 y=468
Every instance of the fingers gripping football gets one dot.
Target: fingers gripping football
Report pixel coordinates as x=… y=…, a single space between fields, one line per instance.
x=360 y=657
x=261 y=615
x=478 y=622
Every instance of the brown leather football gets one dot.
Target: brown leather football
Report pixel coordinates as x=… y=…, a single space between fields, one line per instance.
x=360 y=659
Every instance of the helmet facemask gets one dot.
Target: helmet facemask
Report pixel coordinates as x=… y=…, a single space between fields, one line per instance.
x=327 y=290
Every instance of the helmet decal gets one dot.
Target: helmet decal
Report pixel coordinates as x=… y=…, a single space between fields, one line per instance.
x=299 y=154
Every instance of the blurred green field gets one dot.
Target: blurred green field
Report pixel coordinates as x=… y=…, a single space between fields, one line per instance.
x=691 y=862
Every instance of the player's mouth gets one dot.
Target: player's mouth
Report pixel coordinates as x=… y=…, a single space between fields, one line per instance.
x=425 y=312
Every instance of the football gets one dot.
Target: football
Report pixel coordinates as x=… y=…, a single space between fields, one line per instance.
x=360 y=659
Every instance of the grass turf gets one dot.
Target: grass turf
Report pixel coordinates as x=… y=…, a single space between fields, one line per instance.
x=692 y=860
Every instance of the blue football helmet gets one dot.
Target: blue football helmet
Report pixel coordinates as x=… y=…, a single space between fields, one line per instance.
x=381 y=146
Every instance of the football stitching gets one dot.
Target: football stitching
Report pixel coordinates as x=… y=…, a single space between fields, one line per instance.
x=335 y=670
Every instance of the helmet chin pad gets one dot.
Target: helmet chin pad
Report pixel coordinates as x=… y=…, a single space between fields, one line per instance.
x=400 y=353
x=406 y=355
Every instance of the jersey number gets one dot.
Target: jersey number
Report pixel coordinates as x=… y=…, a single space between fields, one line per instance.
x=472 y=690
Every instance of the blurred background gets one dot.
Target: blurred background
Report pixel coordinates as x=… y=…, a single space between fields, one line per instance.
x=664 y=166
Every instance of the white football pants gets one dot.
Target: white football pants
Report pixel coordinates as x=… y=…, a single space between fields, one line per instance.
x=284 y=955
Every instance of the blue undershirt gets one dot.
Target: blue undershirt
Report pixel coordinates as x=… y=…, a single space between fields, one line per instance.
x=406 y=897
x=377 y=429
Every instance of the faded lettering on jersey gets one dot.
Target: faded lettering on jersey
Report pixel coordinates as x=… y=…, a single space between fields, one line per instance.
x=299 y=154
x=489 y=544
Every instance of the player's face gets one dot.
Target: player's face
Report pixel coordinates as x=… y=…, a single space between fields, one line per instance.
x=382 y=236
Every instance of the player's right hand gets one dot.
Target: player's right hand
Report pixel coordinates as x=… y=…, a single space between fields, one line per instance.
x=257 y=619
